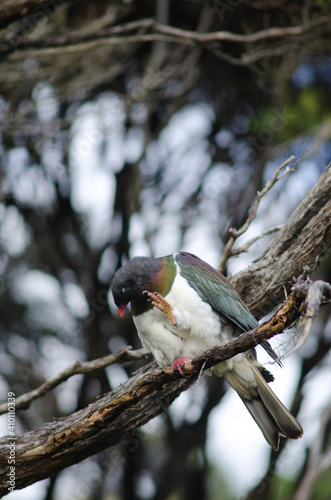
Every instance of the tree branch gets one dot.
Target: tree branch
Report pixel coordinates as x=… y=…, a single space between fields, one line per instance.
x=115 y=416
x=125 y=354
x=158 y=32
x=249 y=243
x=235 y=233
x=303 y=239
x=242 y=38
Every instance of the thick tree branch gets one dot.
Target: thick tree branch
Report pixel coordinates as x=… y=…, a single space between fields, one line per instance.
x=41 y=453
x=304 y=238
x=117 y=415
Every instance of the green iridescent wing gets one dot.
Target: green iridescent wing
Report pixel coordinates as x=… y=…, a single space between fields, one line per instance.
x=215 y=289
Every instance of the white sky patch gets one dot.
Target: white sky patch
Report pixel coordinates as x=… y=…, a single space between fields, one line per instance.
x=150 y=164
x=134 y=144
x=137 y=231
x=36 y=491
x=168 y=235
x=46 y=103
x=225 y=138
x=235 y=443
x=188 y=406
x=17 y=161
x=200 y=240
x=28 y=184
x=110 y=112
x=190 y=123
x=140 y=247
x=52 y=159
x=116 y=375
x=183 y=151
x=43 y=294
x=37 y=286
x=93 y=191
x=275 y=208
x=14 y=235
x=182 y=147
x=146 y=487
x=137 y=227
x=217 y=181
x=234 y=440
x=317 y=392
x=86 y=138
x=187 y=178
x=96 y=154
x=76 y=300
x=317 y=397
x=58 y=356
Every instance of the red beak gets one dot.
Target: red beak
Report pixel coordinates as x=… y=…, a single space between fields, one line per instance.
x=121 y=310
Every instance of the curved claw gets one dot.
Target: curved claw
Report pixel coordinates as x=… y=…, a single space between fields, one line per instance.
x=179 y=364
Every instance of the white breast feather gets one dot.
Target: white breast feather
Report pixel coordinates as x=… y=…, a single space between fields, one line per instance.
x=198 y=326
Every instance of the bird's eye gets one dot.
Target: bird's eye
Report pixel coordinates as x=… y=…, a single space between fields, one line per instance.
x=123 y=289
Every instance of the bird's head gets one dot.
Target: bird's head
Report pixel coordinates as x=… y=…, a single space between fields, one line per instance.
x=132 y=280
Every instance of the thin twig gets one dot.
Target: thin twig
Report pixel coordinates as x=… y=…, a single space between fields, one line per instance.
x=273 y=32
x=244 y=248
x=124 y=354
x=235 y=233
x=158 y=32
x=318 y=293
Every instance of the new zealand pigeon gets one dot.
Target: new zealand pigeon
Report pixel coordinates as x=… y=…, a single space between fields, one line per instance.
x=181 y=307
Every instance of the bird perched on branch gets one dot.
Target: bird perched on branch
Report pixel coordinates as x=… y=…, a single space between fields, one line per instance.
x=181 y=307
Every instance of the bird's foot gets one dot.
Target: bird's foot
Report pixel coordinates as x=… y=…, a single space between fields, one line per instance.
x=179 y=364
x=160 y=302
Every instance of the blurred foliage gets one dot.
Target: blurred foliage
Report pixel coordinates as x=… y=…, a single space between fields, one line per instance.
x=308 y=110
x=322 y=489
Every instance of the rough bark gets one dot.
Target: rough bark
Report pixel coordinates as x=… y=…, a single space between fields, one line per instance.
x=304 y=238
x=117 y=415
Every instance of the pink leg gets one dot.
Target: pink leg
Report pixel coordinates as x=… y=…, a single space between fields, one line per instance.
x=179 y=364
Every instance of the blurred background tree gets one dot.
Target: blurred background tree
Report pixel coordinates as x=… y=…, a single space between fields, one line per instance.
x=145 y=127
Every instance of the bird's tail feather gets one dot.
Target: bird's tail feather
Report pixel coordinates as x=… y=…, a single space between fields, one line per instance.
x=267 y=410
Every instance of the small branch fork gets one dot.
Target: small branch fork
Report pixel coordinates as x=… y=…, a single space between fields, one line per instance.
x=235 y=233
